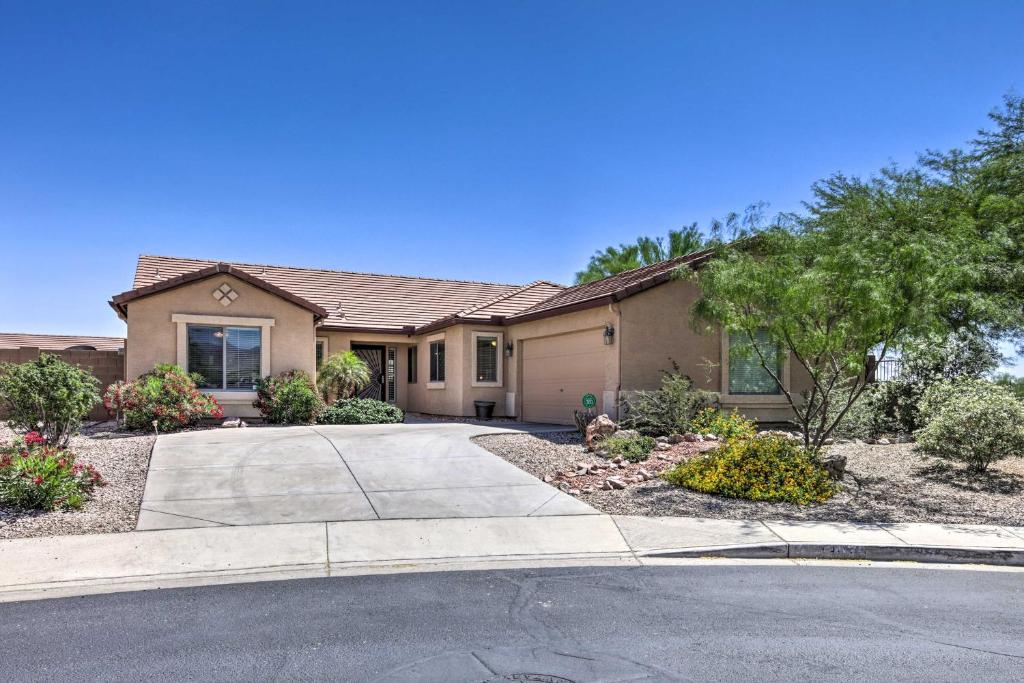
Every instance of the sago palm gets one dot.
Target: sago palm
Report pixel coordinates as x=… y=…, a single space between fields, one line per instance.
x=342 y=374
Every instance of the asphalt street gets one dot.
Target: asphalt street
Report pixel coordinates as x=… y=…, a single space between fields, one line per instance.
x=707 y=622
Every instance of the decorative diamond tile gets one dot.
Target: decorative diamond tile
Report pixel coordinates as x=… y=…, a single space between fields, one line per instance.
x=225 y=295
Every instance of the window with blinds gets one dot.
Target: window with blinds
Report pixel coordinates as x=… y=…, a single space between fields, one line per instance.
x=242 y=357
x=225 y=358
x=486 y=359
x=746 y=374
x=437 y=361
x=320 y=353
x=392 y=374
x=206 y=355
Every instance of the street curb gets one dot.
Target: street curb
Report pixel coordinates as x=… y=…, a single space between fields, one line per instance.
x=1006 y=557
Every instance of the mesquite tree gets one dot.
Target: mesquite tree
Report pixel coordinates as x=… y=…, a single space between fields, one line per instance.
x=862 y=273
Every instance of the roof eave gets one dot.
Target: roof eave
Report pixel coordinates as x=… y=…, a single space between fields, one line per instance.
x=119 y=301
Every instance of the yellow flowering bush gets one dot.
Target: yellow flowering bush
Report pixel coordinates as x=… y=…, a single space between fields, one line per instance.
x=723 y=425
x=764 y=467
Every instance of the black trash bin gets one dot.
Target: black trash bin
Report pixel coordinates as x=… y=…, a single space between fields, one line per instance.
x=484 y=409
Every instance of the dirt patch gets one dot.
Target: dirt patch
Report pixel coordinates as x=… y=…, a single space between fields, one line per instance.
x=891 y=483
x=123 y=460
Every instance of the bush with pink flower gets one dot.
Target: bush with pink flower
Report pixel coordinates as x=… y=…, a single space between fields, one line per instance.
x=37 y=476
x=166 y=395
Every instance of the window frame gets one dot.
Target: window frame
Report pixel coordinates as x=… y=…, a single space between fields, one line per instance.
x=775 y=398
x=223 y=388
x=326 y=353
x=499 y=338
x=181 y=322
x=436 y=382
x=412 y=363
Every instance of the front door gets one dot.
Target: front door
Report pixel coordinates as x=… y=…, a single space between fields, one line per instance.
x=373 y=356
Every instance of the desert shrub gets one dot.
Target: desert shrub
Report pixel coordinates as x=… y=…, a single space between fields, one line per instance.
x=37 y=476
x=894 y=407
x=975 y=422
x=342 y=374
x=667 y=410
x=631 y=448
x=766 y=467
x=288 y=398
x=48 y=395
x=361 y=411
x=166 y=395
x=722 y=424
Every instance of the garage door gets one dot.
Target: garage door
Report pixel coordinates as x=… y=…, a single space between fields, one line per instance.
x=558 y=371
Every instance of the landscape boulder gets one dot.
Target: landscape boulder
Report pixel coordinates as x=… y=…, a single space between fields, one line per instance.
x=600 y=428
x=835 y=465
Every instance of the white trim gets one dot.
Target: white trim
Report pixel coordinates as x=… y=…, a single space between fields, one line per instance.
x=230 y=320
x=435 y=385
x=232 y=396
x=752 y=399
x=499 y=358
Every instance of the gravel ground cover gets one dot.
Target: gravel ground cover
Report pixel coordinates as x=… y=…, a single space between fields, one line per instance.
x=121 y=457
x=883 y=483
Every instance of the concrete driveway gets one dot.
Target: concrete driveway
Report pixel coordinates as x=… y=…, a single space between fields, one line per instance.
x=271 y=475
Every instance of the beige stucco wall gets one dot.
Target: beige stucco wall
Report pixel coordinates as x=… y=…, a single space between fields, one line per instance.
x=656 y=330
x=153 y=336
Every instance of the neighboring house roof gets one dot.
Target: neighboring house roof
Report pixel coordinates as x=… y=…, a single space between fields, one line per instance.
x=119 y=301
x=358 y=301
x=58 y=342
x=610 y=289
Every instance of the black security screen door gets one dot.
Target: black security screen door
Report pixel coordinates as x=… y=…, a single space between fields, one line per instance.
x=373 y=356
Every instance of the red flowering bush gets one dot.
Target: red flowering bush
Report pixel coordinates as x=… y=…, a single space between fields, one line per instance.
x=167 y=395
x=34 y=475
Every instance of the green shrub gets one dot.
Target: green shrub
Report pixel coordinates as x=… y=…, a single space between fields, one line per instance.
x=765 y=467
x=36 y=476
x=166 y=395
x=972 y=421
x=48 y=395
x=631 y=448
x=288 y=398
x=668 y=410
x=361 y=411
x=723 y=425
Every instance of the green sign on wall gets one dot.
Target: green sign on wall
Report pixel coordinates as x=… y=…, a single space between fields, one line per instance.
x=589 y=400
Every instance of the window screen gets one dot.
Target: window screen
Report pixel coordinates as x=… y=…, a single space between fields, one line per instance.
x=437 y=361
x=242 y=357
x=486 y=359
x=411 y=364
x=206 y=355
x=746 y=374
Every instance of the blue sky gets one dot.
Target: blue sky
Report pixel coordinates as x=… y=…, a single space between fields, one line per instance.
x=478 y=140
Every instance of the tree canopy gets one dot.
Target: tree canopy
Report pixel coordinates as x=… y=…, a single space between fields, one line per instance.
x=873 y=264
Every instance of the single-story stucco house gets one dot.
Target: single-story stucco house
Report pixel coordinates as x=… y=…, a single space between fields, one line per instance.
x=435 y=346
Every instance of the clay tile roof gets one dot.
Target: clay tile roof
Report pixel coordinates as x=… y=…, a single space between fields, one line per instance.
x=366 y=301
x=497 y=309
x=58 y=342
x=610 y=289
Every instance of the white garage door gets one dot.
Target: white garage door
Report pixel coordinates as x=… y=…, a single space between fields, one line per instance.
x=558 y=371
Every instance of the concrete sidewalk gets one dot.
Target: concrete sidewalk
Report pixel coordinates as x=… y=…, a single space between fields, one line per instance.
x=74 y=565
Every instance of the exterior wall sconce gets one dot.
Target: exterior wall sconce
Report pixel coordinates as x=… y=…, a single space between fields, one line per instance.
x=509 y=349
x=609 y=335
